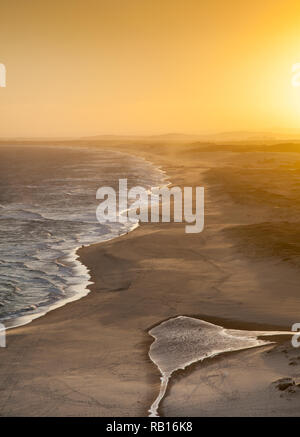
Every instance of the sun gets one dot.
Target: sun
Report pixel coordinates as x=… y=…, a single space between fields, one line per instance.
x=296 y=75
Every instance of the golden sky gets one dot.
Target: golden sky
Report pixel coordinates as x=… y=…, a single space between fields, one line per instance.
x=148 y=66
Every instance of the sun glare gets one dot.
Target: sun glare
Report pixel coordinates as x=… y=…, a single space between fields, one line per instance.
x=296 y=75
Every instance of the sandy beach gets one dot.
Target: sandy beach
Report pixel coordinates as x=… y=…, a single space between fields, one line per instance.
x=90 y=357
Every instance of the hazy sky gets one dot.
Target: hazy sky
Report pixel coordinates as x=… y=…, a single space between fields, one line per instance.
x=148 y=66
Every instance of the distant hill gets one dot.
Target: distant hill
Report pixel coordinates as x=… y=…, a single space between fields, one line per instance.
x=279 y=140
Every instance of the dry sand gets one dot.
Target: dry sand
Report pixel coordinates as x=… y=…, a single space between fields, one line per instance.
x=90 y=358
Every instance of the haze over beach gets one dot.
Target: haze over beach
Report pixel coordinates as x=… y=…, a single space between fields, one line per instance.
x=142 y=318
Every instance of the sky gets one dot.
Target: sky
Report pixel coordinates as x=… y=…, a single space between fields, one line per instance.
x=78 y=68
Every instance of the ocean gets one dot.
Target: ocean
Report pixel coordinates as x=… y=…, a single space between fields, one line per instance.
x=47 y=210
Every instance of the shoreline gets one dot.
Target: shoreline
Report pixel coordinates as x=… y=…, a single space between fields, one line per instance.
x=19 y=321
x=90 y=357
x=72 y=259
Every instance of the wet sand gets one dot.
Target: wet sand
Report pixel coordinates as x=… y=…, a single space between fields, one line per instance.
x=90 y=358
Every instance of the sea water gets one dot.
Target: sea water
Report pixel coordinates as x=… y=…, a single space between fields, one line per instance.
x=47 y=210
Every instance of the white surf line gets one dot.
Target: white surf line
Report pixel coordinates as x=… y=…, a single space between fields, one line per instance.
x=82 y=287
x=183 y=340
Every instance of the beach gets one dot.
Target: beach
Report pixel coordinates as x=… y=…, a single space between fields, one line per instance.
x=91 y=357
